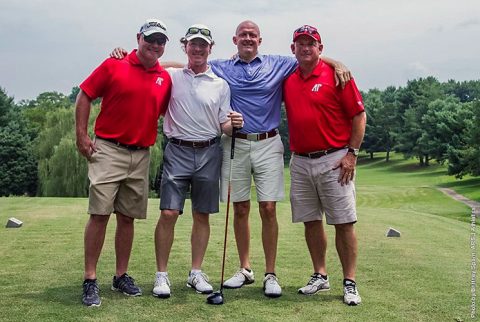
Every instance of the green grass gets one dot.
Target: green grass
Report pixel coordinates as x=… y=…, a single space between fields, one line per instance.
x=422 y=276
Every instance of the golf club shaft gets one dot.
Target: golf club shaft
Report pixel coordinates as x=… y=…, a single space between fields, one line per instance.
x=232 y=154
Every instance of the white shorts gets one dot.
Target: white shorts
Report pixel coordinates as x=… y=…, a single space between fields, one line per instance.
x=261 y=159
x=315 y=190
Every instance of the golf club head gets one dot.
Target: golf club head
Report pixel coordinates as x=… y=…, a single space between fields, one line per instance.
x=216 y=298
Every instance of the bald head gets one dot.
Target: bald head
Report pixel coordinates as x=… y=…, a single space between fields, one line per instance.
x=249 y=25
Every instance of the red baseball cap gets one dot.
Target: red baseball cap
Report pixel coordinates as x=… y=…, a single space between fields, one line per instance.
x=307 y=30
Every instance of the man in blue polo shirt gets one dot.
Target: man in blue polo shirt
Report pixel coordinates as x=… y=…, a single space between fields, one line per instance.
x=256 y=92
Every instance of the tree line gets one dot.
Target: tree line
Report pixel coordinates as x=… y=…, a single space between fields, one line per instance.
x=426 y=119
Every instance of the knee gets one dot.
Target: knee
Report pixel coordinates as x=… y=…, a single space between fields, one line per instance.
x=124 y=220
x=344 y=229
x=99 y=219
x=201 y=219
x=242 y=209
x=268 y=208
x=168 y=217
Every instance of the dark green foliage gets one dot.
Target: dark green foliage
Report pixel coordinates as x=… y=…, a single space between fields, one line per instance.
x=18 y=175
x=465 y=158
x=283 y=129
x=18 y=166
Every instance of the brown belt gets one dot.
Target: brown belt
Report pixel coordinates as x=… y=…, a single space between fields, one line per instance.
x=318 y=154
x=126 y=146
x=257 y=136
x=193 y=144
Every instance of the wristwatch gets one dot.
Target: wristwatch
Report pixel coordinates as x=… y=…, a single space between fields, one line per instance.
x=354 y=151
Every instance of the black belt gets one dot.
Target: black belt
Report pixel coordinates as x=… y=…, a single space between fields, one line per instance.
x=318 y=154
x=126 y=146
x=257 y=136
x=193 y=144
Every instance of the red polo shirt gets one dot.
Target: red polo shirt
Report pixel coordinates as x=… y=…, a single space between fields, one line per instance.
x=319 y=113
x=133 y=99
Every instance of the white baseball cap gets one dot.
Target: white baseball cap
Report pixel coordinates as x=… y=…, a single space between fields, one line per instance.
x=152 y=26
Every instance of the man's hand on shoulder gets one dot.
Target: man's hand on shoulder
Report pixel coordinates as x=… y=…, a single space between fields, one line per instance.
x=118 y=53
x=342 y=74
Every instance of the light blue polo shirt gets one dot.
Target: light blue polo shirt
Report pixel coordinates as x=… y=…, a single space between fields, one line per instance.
x=256 y=88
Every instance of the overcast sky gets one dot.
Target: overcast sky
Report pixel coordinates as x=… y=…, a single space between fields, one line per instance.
x=52 y=45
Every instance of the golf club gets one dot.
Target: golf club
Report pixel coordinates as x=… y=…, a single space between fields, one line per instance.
x=216 y=298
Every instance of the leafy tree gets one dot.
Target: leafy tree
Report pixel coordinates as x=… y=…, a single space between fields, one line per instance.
x=18 y=167
x=446 y=122
x=62 y=170
x=18 y=174
x=73 y=94
x=465 y=159
x=64 y=174
x=413 y=105
x=6 y=107
x=466 y=91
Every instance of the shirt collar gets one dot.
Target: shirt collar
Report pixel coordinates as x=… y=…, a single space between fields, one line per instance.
x=237 y=59
x=208 y=72
x=133 y=59
x=317 y=71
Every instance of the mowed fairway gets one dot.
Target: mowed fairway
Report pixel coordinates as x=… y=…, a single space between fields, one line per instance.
x=422 y=276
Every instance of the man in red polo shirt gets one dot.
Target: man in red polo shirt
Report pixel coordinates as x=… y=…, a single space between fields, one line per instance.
x=135 y=92
x=326 y=126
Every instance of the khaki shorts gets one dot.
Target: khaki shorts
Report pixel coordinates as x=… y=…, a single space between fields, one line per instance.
x=261 y=159
x=118 y=180
x=315 y=190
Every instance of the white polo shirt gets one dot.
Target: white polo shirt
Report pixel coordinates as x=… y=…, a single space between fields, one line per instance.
x=198 y=105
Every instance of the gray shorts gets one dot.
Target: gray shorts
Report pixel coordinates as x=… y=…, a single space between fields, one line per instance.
x=194 y=168
x=261 y=159
x=315 y=190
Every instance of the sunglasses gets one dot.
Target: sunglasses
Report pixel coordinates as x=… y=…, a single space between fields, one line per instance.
x=308 y=29
x=160 y=40
x=203 y=31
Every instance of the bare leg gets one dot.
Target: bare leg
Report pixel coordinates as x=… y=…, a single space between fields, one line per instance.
x=241 y=227
x=317 y=245
x=199 y=238
x=164 y=234
x=269 y=233
x=346 y=242
x=123 y=242
x=93 y=243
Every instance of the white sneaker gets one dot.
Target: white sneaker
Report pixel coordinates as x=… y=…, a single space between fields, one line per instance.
x=271 y=287
x=350 y=294
x=316 y=284
x=161 y=288
x=241 y=277
x=199 y=282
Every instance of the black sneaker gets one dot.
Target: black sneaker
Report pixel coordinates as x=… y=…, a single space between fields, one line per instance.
x=91 y=291
x=126 y=285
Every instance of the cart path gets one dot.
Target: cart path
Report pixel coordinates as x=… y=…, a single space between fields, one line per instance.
x=471 y=203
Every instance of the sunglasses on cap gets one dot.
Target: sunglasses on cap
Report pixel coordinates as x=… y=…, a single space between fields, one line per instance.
x=203 y=31
x=161 y=40
x=308 y=29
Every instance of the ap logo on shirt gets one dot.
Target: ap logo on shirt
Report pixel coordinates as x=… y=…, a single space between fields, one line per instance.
x=316 y=87
x=159 y=81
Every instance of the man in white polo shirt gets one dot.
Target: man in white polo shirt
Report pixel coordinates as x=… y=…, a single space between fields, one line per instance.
x=198 y=113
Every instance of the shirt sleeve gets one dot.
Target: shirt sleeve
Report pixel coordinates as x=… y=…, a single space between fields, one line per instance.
x=225 y=107
x=95 y=84
x=166 y=99
x=218 y=67
x=286 y=64
x=351 y=99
